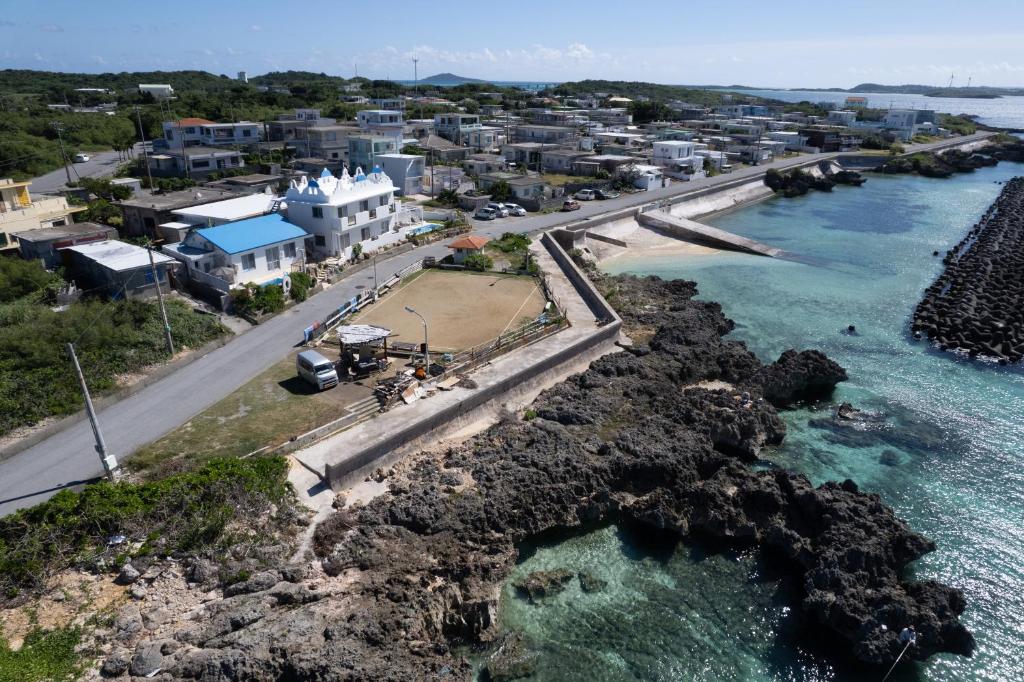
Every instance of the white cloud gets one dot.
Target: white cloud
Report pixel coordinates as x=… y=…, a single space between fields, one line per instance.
x=51 y=28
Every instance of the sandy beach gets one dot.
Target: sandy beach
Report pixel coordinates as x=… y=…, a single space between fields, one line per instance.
x=640 y=240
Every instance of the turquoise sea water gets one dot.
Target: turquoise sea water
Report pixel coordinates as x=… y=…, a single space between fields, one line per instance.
x=949 y=455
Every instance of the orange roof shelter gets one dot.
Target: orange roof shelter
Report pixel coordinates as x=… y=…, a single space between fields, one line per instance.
x=467 y=245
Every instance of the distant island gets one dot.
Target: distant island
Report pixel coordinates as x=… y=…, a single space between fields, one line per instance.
x=449 y=79
x=976 y=92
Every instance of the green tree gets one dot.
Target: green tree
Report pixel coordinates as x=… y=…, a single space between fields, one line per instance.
x=448 y=197
x=480 y=262
x=500 y=191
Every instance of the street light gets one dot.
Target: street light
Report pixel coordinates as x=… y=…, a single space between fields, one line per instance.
x=426 y=342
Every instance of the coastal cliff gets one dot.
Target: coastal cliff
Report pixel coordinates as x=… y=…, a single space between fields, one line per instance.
x=640 y=438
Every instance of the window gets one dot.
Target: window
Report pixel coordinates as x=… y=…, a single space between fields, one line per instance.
x=319 y=240
x=273 y=258
x=289 y=250
x=318 y=212
x=342 y=211
x=204 y=163
x=346 y=240
x=169 y=134
x=249 y=261
x=351 y=220
x=365 y=234
x=246 y=133
x=364 y=205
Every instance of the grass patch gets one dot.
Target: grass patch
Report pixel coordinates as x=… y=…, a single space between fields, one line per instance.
x=45 y=656
x=268 y=410
x=561 y=179
x=183 y=513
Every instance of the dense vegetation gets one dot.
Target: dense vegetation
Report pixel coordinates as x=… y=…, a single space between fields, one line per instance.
x=44 y=656
x=184 y=513
x=111 y=339
x=655 y=91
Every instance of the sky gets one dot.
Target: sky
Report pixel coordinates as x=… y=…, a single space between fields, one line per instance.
x=786 y=43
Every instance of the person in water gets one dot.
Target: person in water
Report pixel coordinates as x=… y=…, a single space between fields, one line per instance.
x=908 y=635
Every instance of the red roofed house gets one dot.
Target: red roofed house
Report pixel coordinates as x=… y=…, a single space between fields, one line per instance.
x=467 y=245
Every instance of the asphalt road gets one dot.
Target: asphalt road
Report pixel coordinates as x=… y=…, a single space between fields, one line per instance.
x=100 y=164
x=68 y=458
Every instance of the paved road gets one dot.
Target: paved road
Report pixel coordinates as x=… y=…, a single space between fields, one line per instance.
x=100 y=164
x=67 y=458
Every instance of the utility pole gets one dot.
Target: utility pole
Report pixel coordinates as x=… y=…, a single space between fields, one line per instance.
x=109 y=461
x=145 y=155
x=63 y=154
x=416 y=79
x=160 y=298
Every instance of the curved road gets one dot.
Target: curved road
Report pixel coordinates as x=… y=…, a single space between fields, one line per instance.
x=100 y=164
x=67 y=458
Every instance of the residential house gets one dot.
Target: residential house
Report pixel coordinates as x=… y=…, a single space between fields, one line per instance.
x=389 y=104
x=479 y=164
x=199 y=131
x=259 y=251
x=830 y=140
x=363 y=150
x=523 y=187
x=561 y=160
x=905 y=123
x=194 y=162
x=677 y=155
x=228 y=210
x=740 y=110
x=622 y=140
x=340 y=212
x=485 y=138
x=405 y=170
x=492 y=110
x=327 y=142
x=455 y=127
x=20 y=212
x=608 y=162
x=842 y=118
x=467 y=245
x=645 y=177
x=719 y=161
x=156 y=90
x=527 y=154
x=750 y=153
x=440 y=149
x=793 y=140
x=253 y=183
x=293 y=126
x=855 y=102
x=46 y=243
x=381 y=123
x=122 y=270
x=546 y=134
x=146 y=210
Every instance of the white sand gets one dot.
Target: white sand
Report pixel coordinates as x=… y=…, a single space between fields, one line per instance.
x=640 y=239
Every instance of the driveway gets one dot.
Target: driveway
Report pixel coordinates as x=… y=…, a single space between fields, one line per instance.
x=67 y=458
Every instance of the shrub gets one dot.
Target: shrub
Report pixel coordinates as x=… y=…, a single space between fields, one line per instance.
x=45 y=655
x=510 y=241
x=256 y=300
x=182 y=513
x=20 y=278
x=500 y=191
x=301 y=283
x=331 y=531
x=357 y=250
x=479 y=262
x=896 y=148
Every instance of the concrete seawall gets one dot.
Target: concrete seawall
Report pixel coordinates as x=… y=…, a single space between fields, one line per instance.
x=691 y=230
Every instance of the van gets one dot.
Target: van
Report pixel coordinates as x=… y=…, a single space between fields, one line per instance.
x=316 y=369
x=586 y=195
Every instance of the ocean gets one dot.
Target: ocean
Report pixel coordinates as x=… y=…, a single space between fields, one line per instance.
x=1003 y=112
x=948 y=455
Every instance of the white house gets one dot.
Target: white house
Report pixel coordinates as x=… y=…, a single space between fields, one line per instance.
x=257 y=250
x=157 y=90
x=793 y=140
x=676 y=154
x=455 y=127
x=842 y=117
x=647 y=177
x=199 y=131
x=341 y=212
x=902 y=122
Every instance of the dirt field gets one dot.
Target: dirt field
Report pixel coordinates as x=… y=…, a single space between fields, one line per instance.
x=462 y=309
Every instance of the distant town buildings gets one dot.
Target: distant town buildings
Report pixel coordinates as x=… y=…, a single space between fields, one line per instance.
x=158 y=91
x=21 y=213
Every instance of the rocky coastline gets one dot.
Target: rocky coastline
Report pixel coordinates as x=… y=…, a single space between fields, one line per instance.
x=977 y=303
x=406 y=582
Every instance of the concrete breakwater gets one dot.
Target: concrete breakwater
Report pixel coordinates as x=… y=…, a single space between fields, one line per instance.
x=977 y=303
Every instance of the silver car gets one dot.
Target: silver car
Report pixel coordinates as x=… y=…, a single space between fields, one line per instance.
x=515 y=209
x=498 y=208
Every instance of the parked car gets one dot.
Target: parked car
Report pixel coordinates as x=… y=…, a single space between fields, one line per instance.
x=484 y=213
x=316 y=369
x=498 y=208
x=515 y=209
x=570 y=205
x=606 y=194
x=586 y=195
x=81 y=157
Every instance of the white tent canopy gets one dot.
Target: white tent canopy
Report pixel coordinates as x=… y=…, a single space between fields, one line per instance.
x=355 y=334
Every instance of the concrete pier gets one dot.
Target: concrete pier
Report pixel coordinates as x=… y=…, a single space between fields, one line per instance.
x=691 y=230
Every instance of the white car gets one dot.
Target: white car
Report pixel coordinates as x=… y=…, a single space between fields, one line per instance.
x=498 y=208
x=515 y=209
x=586 y=195
x=81 y=157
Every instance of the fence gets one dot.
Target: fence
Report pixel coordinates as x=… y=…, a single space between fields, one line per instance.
x=321 y=327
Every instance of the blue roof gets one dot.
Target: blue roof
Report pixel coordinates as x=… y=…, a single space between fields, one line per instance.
x=252 y=233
